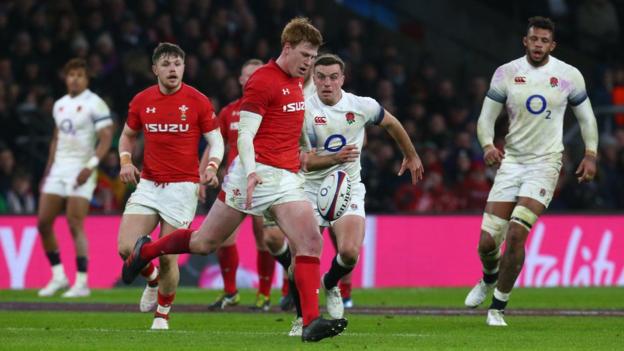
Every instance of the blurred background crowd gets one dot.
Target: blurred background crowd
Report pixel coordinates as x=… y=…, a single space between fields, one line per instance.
x=393 y=53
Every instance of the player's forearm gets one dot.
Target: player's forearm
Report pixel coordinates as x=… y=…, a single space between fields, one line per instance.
x=589 y=130
x=247 y=128
x=216 y=147
x=317 y=162
x=399 y=134
x=127 y=142
x=105 y=140
x=487 y=119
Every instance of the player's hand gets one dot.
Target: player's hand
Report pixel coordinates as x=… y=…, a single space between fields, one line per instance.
x=129 y=174
x=414 y=164
x=82 y=177
x=252 y=180
x=209 y=177
x=492 y=155
x=587 y=169
x=349 y=153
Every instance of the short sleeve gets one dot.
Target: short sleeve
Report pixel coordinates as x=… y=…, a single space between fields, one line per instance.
x=100 y=114
x=578 y=93
x=256 y=95
x=207 y=118
x=498 y=87
x=371 y=109
x=134 y=116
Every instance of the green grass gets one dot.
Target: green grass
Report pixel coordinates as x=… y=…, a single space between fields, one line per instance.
x=237 y=331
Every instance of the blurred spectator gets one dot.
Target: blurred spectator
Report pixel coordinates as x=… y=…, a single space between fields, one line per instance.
x=7 y=169
x=20 y=198
x=598 y=26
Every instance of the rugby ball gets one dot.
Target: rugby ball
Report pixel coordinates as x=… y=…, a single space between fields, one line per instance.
x=334 y=195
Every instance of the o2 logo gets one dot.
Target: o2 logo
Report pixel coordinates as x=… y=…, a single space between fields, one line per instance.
x=541 y=102
x=331 y=145
x=66 y=126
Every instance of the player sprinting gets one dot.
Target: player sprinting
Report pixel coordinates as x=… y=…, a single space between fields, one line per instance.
x=173 y=117
x=335 y=125
x=227 y=254
x=265 y=177
x=535 y=89
x=82 y=118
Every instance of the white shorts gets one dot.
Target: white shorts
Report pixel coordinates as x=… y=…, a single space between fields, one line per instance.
x=278 y=186
x=175 y=202
x=536 y=181
x=61 y=181
x=358 y=192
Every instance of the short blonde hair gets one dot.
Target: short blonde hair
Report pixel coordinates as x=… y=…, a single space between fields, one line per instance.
x=300 y=29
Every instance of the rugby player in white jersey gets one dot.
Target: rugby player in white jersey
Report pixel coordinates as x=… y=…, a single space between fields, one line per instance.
x=82 y=119
x=335 y=125
x=535 y=90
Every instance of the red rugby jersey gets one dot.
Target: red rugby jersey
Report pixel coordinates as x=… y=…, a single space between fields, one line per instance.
x=172 y=125
x=278 y=98
x=228 y=121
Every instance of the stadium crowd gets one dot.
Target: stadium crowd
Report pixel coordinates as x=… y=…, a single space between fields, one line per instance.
x=116 y=38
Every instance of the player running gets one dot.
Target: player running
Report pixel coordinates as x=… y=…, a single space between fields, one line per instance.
x=265 y=177
x=535 y=89
x=82 y=118
x=173 y=117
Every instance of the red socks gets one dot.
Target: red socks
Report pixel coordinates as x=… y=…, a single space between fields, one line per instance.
x=265 y=264
x=164 y=305
x=150 y=273
x=285 y=285
x=228 y=261
x=345 y=290
x=175 y=243
x=308 y=279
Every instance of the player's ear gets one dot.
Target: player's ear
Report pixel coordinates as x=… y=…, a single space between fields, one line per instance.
x=524 y=41
x=154 y=70
x=553 y=46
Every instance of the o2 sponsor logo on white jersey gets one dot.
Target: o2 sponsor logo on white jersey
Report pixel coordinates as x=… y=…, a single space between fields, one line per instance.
x=167 y=127
x=294 y=106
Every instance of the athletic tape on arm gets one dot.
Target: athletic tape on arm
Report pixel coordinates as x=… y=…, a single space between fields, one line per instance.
x=247 y=129
x=215 y=140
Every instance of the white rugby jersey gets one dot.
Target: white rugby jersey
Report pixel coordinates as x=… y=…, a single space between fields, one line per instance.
x=536 y=99
x=78 y=119
x=330 y=128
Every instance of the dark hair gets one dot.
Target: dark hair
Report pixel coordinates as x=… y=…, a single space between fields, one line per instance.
x=328 y=60
x=300 y=29
x=167 y=49
x=75 y=63
x=543 y=23
x=250 y=62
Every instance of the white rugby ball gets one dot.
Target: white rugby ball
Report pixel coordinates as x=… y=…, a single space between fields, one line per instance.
x=334 y=195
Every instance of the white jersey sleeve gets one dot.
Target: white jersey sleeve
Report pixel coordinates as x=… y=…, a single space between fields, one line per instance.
x=371 y=109
x=100 y=113
x=498 y=86
x=578 y=94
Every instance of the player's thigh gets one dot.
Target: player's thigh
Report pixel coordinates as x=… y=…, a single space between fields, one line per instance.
x=231 y=240
x=77 y=210
x=257 y=225
x=500 y=209
x=349 y=231
x=132 y=227
x=273 y=236
x=221 y=221
x=300 y=227
x=533 y=205
x=50 y=206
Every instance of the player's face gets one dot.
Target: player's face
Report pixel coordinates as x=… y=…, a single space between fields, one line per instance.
x=328 y=81
x=300 y=58
x=246 y=72
x=169 y=70
x=539 y=44
x=76 y=81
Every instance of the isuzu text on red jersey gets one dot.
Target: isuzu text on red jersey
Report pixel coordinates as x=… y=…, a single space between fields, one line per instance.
x=278 y=98
x=172 y=125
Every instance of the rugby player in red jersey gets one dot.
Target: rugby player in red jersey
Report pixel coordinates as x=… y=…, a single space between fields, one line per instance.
x=227 y=254
x=173 y=117
x=265 y=178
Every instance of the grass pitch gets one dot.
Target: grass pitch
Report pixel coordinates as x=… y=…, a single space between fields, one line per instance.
x=41 y=329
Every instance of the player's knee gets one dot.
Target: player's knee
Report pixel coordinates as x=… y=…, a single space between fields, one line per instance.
x=496 y=227
x=524 y=217
x=44 y=227
x=75 y=224
x=516 y=237
x=350 y=255
x=203 y=247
